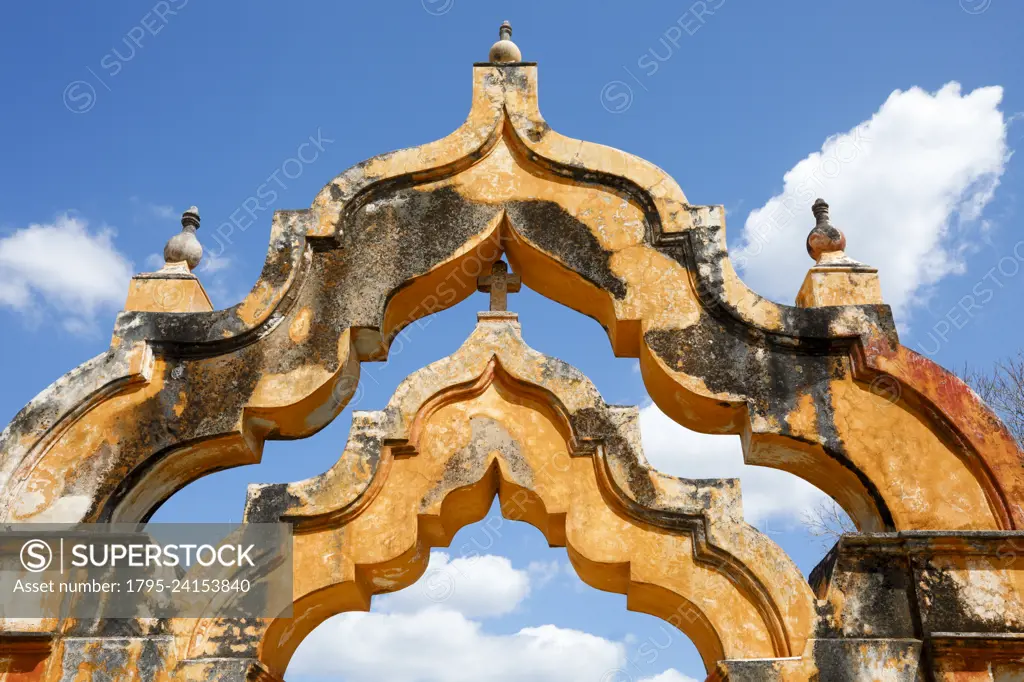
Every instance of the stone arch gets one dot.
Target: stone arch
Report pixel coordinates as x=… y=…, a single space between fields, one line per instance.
x=497 y=418
x=596 y=229
x=814 y=389
x=593 y=228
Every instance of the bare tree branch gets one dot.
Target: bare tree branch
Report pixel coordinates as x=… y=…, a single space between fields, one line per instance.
x=828 y=521
x=1003 y=390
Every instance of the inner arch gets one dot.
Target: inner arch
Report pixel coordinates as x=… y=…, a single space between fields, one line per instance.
x=497 y=589
x=533 y=432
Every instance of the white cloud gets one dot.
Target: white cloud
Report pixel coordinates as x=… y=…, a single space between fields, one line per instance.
x=413 y=636
x=480 y=586
x=768 y=494
x=444 y=645
x=66 y=266
x=670 y=675
x=907 y=187
x=439 y=645
x=14 y=293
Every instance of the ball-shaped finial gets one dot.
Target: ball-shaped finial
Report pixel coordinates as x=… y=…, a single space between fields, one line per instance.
x=505 y=51
x=824 y=238
x=185 y=246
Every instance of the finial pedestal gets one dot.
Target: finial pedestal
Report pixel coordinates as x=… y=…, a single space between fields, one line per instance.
x=173 y=288
x=835 y=279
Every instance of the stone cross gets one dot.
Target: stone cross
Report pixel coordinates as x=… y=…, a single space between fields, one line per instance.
x=499 y=284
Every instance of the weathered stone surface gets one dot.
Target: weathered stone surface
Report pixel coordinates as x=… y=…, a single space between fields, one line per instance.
x=826 y=392
x=172 y=289
x=499 y=418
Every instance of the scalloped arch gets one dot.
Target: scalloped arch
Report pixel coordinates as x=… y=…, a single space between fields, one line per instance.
x=179 y=395
x=593 y=228
x=497 y=418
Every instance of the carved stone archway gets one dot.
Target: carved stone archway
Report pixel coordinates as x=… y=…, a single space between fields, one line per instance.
x=499 y=418
x=184 y=391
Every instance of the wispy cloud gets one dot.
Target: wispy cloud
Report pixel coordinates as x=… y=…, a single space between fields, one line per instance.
x=63 y=267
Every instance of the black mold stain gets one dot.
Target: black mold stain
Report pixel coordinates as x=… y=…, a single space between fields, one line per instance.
x=398 y=238
x=877 y=595
x=553 y=369
x=807 y=329
x=151 y=661
x=947 y=609
x=594 y=424
x=773 y=380
x=210 y=333
x=106 y=661
x=469 y=464
x=216 y=391
x=843 y=660
x=116 y=627
x=270 y=504
x=560 y=234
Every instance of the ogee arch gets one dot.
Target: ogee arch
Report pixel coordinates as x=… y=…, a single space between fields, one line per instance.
x=815 y=389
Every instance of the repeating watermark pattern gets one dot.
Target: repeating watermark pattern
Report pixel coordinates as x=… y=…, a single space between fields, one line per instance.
x=439 y=584
x=169 y=295
x=617 y=95
x=152 y=571
x=975 y=6
x=266 y=193
x=437 y=7
x=971 y=304
x=888 y=388
x=80 y=95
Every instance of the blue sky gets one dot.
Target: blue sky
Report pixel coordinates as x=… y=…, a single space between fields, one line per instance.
x=904 y=116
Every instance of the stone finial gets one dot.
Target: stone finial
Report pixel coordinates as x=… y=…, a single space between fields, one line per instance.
x=835 y=279
x=185 y=246
x=505 y=51
x=173 y=288
x=824 y=238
